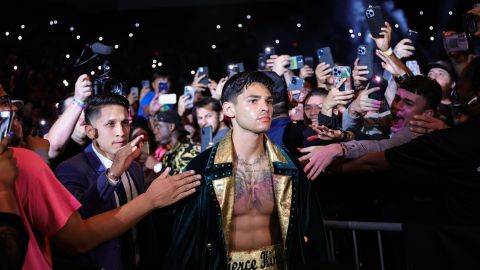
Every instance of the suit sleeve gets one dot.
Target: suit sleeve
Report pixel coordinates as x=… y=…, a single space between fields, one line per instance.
x=90 y=189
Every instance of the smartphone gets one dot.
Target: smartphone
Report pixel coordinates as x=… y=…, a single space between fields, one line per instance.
x=269 y=51
x=235 y=68
x=343 y=72
x=189 y=92
x=456 y=43
x=365 y=56
x=309 y=62
x=296 y=83
x=378 y=81
x=375 y=20
x=414 y=67
x=6 y=122
x=167 y=99
x=206 y=137
x=163 y=86
x=262 y=61
x=413 y=36
x=325 y=56
x=145 y=83
x=203 y=71
x=296 y=62
x=469 y=23
x=134 y=92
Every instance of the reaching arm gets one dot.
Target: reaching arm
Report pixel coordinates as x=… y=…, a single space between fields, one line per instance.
x=368 y=163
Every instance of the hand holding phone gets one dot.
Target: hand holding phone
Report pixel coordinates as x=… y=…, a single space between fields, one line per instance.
x=134 y=92
x=189 y=93
x=365 y=58
x=234 y=69
x=167 y=99
x=296 y=62
x=455 y=42
x=375 y=20
x=340 y=73
x=325 y=56
x=203 y=71
x=378 y=81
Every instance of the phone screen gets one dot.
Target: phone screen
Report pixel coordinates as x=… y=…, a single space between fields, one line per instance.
x=378 y=81
x=189 y=92
x=206 y=137
x=167 y=99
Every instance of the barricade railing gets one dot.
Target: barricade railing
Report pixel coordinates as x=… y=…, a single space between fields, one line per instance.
x=355 y=226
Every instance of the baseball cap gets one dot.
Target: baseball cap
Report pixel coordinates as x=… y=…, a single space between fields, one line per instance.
x=170 y=117
x=443 y=65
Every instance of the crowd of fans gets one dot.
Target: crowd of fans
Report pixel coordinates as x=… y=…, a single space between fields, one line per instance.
x=424 y=128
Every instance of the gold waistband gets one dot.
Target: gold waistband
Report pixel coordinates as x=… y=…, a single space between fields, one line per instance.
x=265 y=258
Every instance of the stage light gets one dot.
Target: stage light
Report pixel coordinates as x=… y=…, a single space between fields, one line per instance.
x=396 y=25
x=431 y=27
x=350 y=31
x=432 y=38
x=450 y=13
x=192 y=72
x=130 y=34
x=22 y=26
x=277 y=41
x=19 y=37
x=137 y=25
x=65 y=82
x=55 y=22
x=299 y=25
x=240 y=25
x=67 y=56
x=359 y=34
x=7 y=33
x=116 y=46
x=92 y=73
x=154 y=61
x=43 y=122
x=249 y=17
x=100 y=38
x=15 y=67
x=352 y=36
x=219 y=26
x=99 y=67
x=154 y=65
x=214 y=46
x=160 y=64
x=51 y=22
x=421 y=12
x=78 y=36
x=72 y=28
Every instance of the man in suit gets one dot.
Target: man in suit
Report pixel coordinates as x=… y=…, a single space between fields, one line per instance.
x=104 y=177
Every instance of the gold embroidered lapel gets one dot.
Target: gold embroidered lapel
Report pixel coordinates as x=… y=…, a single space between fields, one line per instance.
x=225 y=187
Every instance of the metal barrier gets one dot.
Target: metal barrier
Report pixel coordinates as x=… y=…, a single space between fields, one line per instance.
x=354 y=226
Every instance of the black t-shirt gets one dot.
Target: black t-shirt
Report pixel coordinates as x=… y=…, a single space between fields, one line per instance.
x=71 y=149
x=450 y=160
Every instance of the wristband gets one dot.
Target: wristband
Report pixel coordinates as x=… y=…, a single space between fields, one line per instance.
x=80 y=103
x=388 y=52
x=402 y=78
x=112 y=177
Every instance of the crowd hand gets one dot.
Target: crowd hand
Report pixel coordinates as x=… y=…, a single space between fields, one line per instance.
x=83 y=88
x=306 y=72
x=280 y=64
x=336 y=97
x=296 y=113
x=182 y=104
x=389 y=65
x=166 y=190
x=154 y=105
x=383 y=42
x=357 y=73
x=199 y=87
x=125 y=155
x=144 y=91
x=325 y=134
x=8 y=166
x=403 y=49
x=270 y=61
x=323 y=72
x=217 y=91
x=476 y=12
x=363 y=103
x=318 y=158
x=423 y=124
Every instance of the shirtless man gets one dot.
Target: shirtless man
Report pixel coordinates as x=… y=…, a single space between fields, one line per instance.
x=254 y=208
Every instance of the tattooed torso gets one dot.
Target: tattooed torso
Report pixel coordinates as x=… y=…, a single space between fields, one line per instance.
x=255 y=218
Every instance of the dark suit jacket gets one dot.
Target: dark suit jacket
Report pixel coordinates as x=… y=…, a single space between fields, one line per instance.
x=84 y=176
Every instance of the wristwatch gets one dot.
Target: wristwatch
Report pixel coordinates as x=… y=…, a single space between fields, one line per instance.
x=400 y=79
x=112 y=177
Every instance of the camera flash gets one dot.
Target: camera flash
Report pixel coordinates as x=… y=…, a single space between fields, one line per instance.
x=277 y=42
x=15 y=67
x=154 y=61
x=100 y=38
x=450 y=13
x=19 y=37
x=72 y=28
x=67 y=56
x=130 y=34
x=421 y=12
x=192 y=72
x=154 y=65
x=116 y=46
x=137 y=25
x=7 y=34
x=22 y=26
x=219 y=26
x=432 y=38
x=78 y=36
x=350 y=31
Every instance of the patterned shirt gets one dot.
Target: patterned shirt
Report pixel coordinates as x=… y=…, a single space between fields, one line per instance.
x=178 y=157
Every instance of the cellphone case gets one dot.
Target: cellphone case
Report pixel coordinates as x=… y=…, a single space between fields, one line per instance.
x=375 y=20
x=325 y=56
x=201 y=71
x=382 y=83
x=341 y=72
x=413 y=36
x=206 y=137
x=365 y=56
x=296 y=62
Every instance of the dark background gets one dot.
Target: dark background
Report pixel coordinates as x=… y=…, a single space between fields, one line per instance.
x=180 y=34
